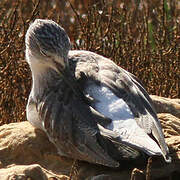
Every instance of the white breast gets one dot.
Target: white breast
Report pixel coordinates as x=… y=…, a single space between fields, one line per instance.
x=123 y=122
x=32 y=116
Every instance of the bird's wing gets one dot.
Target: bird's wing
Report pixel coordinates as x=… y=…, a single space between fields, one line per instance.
x=102 y=142
x=125 y=86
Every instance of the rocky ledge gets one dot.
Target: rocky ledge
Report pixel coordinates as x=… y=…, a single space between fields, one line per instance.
x=27 y=154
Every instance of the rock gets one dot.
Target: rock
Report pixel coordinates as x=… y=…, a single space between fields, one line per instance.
x=166 y=105
x=28 y=172
x=170 y=124
x=26 y=153
x=171 y=128
x=20 y=172
x=21 y=143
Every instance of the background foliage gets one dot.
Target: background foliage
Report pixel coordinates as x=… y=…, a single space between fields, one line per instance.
x=141 y=36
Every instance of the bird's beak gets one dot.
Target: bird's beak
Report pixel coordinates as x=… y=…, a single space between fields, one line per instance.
x=60 y=65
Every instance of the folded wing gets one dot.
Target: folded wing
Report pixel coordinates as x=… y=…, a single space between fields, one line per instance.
x=102 y=72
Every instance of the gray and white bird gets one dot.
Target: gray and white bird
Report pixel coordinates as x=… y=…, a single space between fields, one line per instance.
x=90 y=108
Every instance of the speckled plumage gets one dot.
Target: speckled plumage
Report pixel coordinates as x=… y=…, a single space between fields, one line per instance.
x=65 y=101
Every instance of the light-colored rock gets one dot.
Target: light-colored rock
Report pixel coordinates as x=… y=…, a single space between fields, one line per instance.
x=166 y=105
x=171 y=128
x=28 y=172
x=21 y=172
x=21 y=144
x=170 y=124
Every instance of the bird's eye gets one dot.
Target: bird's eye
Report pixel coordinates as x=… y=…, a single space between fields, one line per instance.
x=44 y=53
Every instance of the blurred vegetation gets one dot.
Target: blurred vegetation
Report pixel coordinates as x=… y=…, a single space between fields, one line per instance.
x=141 y=36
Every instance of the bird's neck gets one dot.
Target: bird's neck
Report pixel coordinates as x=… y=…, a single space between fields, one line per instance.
x=43 y=79
x=46 y=79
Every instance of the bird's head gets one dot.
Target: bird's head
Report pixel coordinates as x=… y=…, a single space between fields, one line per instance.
x=47 y=46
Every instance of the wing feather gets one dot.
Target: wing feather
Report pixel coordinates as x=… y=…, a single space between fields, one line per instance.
x=131 y=90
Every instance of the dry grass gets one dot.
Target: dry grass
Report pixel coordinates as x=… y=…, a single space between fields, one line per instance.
x=141 y=37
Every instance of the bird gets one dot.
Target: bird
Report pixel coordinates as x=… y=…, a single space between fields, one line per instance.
x=91 y=109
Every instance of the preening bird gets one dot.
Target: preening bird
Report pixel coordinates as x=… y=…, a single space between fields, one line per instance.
x=90 y=108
